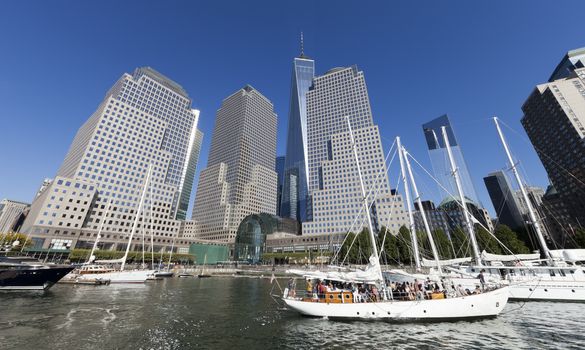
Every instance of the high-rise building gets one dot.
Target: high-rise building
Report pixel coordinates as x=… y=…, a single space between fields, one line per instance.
x=279 y=168
x=239 y=179
x=554 y=119
x=436 y=218
x=504 y=199
x=145 y=119
x=294 y=203
x=11 y=213
x=440 y=159
x=334 y=184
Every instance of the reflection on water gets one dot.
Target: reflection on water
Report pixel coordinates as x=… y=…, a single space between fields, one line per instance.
x=228 y=312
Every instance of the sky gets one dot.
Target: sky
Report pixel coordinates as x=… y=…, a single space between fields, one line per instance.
x=421 y=59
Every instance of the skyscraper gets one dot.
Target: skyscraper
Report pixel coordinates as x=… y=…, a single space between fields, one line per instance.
x=554 y=119
x=279 y=168
x=10 y=213
x=504 y=199
x=239 y=179
x=294 y=203
x=145 y=119
x=334 y=184
x=440 y=159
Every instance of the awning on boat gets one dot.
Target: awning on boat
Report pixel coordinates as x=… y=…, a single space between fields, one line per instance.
x=497 y=257
x=113 y=261
x=433 y=263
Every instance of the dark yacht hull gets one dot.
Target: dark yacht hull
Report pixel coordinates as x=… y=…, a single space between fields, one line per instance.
x=31 y=278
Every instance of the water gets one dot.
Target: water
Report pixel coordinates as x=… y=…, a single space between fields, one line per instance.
x=238 y=313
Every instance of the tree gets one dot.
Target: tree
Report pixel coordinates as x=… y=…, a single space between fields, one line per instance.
x=510 y=239
x=460 y=242
x=580 y=238
x=403 y=244
x=487 y=242
x=13 y=241
x=390 y=249
x=443 y=244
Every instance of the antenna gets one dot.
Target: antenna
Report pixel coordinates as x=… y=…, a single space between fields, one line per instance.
x=302 y=45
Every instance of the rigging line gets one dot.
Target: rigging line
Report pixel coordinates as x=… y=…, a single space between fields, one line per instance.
x=394 y=198
x=461 y=205
x=543 y=153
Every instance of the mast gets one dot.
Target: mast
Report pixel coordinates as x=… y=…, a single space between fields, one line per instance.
x=151 y=228
x=531 y=213
x=422 y=211
x=136 y=217
x=365 y=201
x=413 y=237
x=89 y=260
x=468 y=224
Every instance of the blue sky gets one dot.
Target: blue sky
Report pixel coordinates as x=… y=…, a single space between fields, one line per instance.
x=421 y=59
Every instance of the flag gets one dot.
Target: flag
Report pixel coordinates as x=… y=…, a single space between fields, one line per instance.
x=272 y=278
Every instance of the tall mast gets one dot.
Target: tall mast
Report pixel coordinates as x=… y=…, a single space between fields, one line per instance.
x=422 y=211
x=413 y=237
x=468 y=224
x=531 y=213
x=365 y=201
x=136 y=217
x=151 y=227
x=89 y=260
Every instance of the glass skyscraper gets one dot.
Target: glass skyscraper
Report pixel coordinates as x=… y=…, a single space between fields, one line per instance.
x=440 y=159
x=294 y=202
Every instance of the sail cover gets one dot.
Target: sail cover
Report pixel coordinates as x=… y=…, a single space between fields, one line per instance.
x=433 y=263
x=371 y=274
x=570 y=255
x=114 y=261
x=497 y=257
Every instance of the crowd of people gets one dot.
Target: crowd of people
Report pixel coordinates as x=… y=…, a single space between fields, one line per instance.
x=406 y=290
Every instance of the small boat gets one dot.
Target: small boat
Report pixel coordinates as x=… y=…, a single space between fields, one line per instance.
x=163 y=274
x=23 y=273
x=184 y=275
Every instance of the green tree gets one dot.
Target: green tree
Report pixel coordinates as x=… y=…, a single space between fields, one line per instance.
x=487 y=242
x=510 y=239
x=390 y=249
x=580 y=238
x=460 y=242
x=443 y=244
x=14 y=241
x=403 y=244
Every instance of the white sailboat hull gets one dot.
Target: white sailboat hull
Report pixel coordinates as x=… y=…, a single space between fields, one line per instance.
x=134 y=276
x=484 y=305
x=570 y=291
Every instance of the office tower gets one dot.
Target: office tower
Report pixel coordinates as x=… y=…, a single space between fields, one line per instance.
x=334 y=184
x=145 y=119
x=504 y=199
x=239 y=179
x=554 y=119
x=279 y=168
x=11 y=213
x=440 y=159
x=436 y=218
x=294 y=203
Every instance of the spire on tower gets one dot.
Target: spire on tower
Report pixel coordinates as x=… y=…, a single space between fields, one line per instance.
x=302 y=46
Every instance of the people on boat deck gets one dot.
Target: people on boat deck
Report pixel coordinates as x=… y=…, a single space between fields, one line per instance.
x=481 y=278
x=291 y=287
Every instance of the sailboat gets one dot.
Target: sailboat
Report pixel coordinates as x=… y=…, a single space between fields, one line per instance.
x=99 y=270
x=160 y=272
x=560 y=276
x=203 y=274
x=374 y=300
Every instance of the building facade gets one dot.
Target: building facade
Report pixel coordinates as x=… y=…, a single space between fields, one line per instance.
x=11 y=214
x=440 y=159
x=279 y=168
x=554 y=119
x=334 y=184
x=505 y=200
x=295 y=192
x=144 y=121
x=239 y=179
x=436 y=218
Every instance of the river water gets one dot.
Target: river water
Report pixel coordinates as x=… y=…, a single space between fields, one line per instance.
x=238 y=313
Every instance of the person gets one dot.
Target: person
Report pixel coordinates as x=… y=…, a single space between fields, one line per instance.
x=291 y=287
x=477 y=290
x=309 y=288
x=481 y=279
